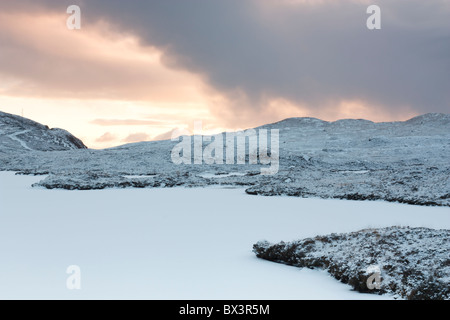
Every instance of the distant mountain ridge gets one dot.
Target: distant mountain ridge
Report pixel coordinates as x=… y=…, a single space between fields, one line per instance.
x=21 y=134
x=401 y=161
x=424 y=119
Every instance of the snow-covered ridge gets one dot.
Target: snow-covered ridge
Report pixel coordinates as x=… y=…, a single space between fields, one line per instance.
x=412 y=263
x=403 y=161
x=21 y=134
x=428 y=118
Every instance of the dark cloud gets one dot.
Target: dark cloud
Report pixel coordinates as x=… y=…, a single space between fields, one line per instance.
x=309 y=54
x=315 y=55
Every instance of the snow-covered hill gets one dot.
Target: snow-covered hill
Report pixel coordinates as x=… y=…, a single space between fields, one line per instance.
x=411 y=263
x=406 y=161
x=18 y=134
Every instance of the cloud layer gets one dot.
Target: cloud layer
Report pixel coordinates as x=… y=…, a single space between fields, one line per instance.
x=249 y=61
x=312 y=55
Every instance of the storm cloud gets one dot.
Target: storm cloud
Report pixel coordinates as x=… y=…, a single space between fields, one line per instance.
x=309 y=54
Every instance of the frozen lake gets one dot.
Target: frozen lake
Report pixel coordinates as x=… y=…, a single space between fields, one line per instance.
x=173 y=243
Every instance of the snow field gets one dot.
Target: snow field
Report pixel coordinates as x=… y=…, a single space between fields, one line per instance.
x=174 y=243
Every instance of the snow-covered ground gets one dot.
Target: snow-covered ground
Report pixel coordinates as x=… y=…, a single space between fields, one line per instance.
x=175 y=243
x=404 y=162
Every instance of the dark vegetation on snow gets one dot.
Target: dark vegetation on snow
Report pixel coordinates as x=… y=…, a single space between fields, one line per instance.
x=413 y=263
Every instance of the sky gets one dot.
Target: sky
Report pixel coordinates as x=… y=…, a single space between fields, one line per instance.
x=136 y=70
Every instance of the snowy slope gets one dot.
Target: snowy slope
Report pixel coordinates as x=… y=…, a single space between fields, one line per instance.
x=18 y=134
x=403 y=161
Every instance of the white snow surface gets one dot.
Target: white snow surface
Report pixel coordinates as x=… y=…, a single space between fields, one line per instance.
x=176 y=243
x=208 y=175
